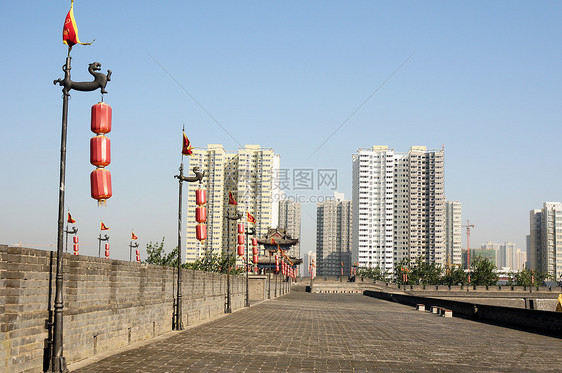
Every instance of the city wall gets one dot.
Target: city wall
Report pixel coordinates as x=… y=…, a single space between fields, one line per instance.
x=107 y=304
x=527 y=319
x=536 y=298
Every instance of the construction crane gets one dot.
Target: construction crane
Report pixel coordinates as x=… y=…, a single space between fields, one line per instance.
x=468 y=226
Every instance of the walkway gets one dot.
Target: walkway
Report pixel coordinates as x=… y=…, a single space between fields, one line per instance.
x=304 y=332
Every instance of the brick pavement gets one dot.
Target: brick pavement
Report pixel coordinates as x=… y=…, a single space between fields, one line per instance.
x=303 y=332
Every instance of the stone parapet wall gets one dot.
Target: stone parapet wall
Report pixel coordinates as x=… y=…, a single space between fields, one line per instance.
x=528 y=319
x=107 y=304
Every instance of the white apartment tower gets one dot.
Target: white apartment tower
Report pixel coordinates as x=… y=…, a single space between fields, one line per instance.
x=373 y=208
x=290 y=220
x=545 y=243
x=398 y=206
x=453 y=233
x=333 y=237
x=506 y=255
x=248 y=174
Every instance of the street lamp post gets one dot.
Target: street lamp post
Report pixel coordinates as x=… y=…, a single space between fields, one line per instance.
x=237 y=216
x=249 y=231
x=131 y=246
x=100 y=239
x=177 y=320
x=57 y=361
x=269 y=277
x=73 y=231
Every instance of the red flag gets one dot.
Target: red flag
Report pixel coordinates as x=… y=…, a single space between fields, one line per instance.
x=70 y=220
x=103 y=227
x=186 y=149
x=251 y=218
x=231 y=200
x=133 y=236
x=70 y=30
x=273 y=241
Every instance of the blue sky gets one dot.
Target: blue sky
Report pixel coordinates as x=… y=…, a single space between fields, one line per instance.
x=483 y=79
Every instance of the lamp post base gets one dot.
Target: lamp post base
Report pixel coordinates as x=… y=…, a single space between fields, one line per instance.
x=58 y=364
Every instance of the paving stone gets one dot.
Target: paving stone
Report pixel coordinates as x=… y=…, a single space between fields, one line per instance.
x=303 y=332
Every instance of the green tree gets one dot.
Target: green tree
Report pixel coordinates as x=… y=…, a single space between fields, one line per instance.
x=214 y=263
x=372 y=273
x=422 y=272
x=456 y=276
x=156 y=254
x=527 y=277
x=483 y=272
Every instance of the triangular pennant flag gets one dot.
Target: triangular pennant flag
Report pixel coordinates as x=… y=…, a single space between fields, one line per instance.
x=231 y=200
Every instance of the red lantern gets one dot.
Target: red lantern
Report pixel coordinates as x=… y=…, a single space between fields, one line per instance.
x=254 y=250
x=240 y=227
x=255 y=259
x=75 y=239
x=201 y=214
x=256 y=270
x=137 y=252
x=76 y=248
x=100 y=151
x=101 y=118
x=240 y=250
x=240 y=239
x=100 y=182
x=276 y=268
x=276 y=260
x=201 y=232
x=107 y=250
x=138 y=258
x=200 y=197
x=254 y=241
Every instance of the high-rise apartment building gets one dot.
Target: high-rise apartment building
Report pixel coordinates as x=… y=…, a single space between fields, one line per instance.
x=248 y=174
x=519 y=260
x=290 y=220
x=453 y=233
x=506 y=255
x=398 y=206
x=545 y=243
x=333 y=237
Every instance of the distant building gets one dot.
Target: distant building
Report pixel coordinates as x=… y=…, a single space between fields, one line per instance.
x=398 y=206
x=290 y=220
x=506 y=255
x=492 y=246
x=544 y=252
x=488 y=254
x=248 y=174
x=309 y=264
x=519 y=260
x=453 y=233
x=333 y=237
